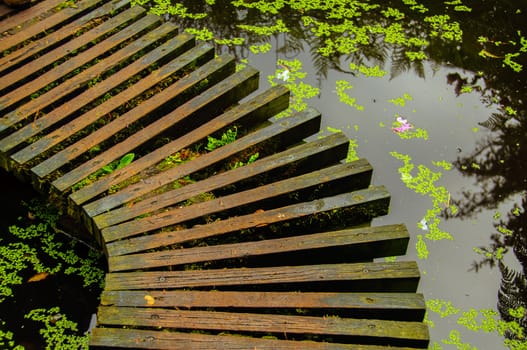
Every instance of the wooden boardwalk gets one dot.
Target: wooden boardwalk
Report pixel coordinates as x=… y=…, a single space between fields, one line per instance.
x=260 y=243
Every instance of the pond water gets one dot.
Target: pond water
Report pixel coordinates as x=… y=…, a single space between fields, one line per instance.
x=50 y=284
x=444 y=127
x=454 y=72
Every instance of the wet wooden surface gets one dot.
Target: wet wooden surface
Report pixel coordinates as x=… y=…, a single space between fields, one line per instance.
x=262 y=243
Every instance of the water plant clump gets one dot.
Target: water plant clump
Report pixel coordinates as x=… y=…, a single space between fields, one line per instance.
x=37 y=262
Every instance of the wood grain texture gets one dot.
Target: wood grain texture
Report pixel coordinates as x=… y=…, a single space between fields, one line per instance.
x=402 y=303
x=267 y=103
x=362 y=243
x=151 y=339
x=52 y=138
x=230 y=88
x=359 y=199
x=385 y=272
x=327 y=150
x=48 y=42
x=309 y=181
x=76 y=81
x=251 y=322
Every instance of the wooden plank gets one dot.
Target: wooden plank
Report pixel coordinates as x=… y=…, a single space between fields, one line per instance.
x=37 y=104
x=215 y=69
x=167 y=50
x=24 y=15
x=375 y=196
x=56 y=19
x=371 y=276
x=150 y=339
x=67 y=32
x=219 y=96
x=402 y=331
x=161 y=53
x=256 y=109
x=343 y=174
x=405 y=306
x=317 y=153
x=358 y=244
x=285 y=132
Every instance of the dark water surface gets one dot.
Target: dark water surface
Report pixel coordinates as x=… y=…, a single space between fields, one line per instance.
x=470 y=101
x=77 y=302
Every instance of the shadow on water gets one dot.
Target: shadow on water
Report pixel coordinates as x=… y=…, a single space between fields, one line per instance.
x=459 y=66
x=39 y=290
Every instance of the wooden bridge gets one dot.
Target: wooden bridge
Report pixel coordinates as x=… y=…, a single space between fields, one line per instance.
x=260 y=243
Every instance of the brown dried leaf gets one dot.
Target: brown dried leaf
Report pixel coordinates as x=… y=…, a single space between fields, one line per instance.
x=38 y=277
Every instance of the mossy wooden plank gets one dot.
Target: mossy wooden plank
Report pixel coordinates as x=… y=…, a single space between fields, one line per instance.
x=371 y=276
x=24 y=15
x=225 y=92
x=68 y=32
x=56 y=19
x=359 y=200
x=250 y=112
x=282 y=133
x=214 y=69
x=52 y=138
x=314 y=154
x=350 y=245
x=403 y=331
x=270 y=133
x=151 y=339
x=404 y=306
x=83 y=78
x=77 y=81
x=344 y=174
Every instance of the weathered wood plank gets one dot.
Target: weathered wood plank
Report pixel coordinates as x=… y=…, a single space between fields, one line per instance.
x=224 y=93
x=25 y=15
x=149 y=339
x=344 y=174
x=359 y=244
x=39 y=27
x=384 y=276
x=199 y=54
x=67 y=32
x=161 y=53
x=403 y=331
x=316 y=153
x=215 y=70
x=376 y=196
x=285 y=132
x=63 y=69
x=256 y=109
x=406 y=306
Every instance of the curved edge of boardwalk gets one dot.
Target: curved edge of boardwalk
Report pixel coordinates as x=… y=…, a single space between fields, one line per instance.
x=262 y=242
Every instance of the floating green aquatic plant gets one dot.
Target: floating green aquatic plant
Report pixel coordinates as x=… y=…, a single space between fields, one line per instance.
x=58 y=331
x=424 y=183
x=300 y=91
x=484 y=320
x=341 y=87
